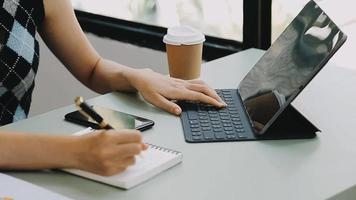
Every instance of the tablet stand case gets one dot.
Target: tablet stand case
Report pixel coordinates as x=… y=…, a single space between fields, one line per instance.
x=290 y=124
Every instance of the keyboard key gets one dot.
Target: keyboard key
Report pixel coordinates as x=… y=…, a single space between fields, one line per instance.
x=215 y=122
x=234 y=112
x=234 y=116
x=240 y=130
x=241 y=135
x=228 y=128
x=237 y=123
x=201 y=114
x=216 y=126
x=204 y=121
x=195 y=129
x=193 y=121
x=202 y=108
x=206 y=129
x=238 y=126
x=218 y=130
x=203 y=117
x=194 y=126
x=220 y=135
x=225 y=121
x=224 y=117
x=214 y=119
x=230 y=132
x=208 y=136
x=212 y=108
x=231 y=137
x=212 y=112
x=225 y=91
x=205 y=125
x=227 y=125
x=197 y=137
x=196 y=134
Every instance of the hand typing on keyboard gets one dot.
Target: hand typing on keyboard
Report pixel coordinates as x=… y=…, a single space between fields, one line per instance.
x=159 y=90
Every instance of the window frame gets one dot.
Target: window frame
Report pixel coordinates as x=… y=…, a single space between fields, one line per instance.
x=256 y=31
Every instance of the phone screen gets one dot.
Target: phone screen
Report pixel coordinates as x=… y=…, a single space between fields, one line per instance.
x=118 y=120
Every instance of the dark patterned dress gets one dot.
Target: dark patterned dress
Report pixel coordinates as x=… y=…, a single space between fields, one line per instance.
x=19 y=56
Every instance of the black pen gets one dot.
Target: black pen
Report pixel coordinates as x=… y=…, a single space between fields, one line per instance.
x=87 y=111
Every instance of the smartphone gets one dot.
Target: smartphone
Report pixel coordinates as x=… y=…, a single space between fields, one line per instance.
x=118 y=120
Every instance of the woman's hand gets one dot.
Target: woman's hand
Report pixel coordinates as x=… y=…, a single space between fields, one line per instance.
x=109 y=152
x=159 y=90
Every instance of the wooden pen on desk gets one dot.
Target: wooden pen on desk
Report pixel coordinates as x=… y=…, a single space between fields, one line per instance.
x=86 y=110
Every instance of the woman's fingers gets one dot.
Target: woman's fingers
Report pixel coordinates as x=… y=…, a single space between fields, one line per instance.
x=199 y=86
x=167 y=105
x=187 y=94
x=183 y=90
x=127 y=150
x=125 y=136
x=205 y=90
x=127 y=161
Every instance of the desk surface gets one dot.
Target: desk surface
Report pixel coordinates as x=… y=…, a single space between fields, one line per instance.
x=294 y=169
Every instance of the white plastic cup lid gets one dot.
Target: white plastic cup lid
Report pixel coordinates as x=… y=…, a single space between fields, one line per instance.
x=183 y=35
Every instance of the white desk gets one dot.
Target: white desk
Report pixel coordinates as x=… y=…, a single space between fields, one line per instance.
x=294 y=169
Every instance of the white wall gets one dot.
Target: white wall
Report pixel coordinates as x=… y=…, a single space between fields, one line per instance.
x=55 y=87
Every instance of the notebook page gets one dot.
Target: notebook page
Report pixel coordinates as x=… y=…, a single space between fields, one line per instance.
x=148 y=160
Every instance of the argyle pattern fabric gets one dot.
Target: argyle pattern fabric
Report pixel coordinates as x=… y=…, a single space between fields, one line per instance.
x=19 y=56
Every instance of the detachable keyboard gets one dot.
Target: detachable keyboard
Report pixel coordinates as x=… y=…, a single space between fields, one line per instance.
x=205 y=123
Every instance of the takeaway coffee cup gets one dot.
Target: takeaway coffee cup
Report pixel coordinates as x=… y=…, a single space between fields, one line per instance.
x=184 y=46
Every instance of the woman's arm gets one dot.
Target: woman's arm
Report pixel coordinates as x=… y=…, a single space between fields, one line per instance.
x=63 y=35
x=31 y=151
x=102 y=152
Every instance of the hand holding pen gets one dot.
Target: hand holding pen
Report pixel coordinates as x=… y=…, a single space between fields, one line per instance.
x=110 y=151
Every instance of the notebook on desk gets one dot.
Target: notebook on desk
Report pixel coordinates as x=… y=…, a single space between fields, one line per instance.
x=153 y=161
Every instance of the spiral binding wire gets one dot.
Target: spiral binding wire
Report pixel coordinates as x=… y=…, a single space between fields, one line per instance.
x=164 y=149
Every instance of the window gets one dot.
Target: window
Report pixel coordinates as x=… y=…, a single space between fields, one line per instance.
x=283 y=12
x=219 y=18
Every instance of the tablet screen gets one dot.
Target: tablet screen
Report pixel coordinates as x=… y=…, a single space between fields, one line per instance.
x=289 y=65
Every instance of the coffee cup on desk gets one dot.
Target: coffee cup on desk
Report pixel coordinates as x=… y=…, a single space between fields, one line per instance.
x=184 y=47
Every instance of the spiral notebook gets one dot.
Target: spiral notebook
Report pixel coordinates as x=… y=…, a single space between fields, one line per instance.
x=150 y=163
